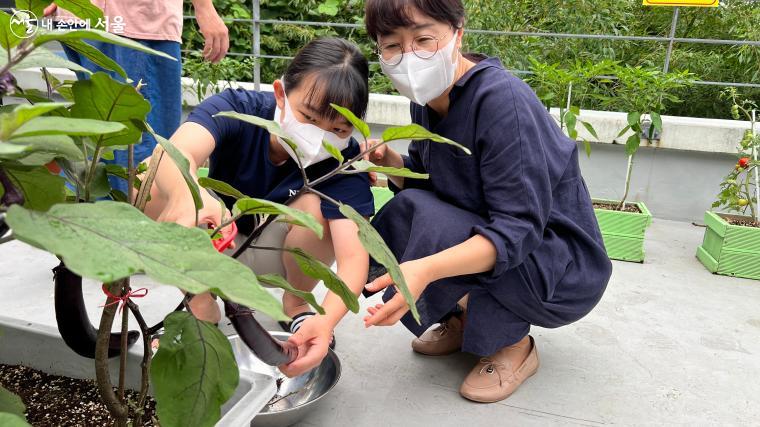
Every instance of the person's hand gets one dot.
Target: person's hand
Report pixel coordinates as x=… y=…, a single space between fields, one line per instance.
x=180 y=210
x=50 y=9
x=214 y=32
x=376 y=156
x=313 y=339
x=417 y=278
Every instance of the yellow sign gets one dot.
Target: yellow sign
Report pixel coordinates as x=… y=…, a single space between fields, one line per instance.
x=684 y=3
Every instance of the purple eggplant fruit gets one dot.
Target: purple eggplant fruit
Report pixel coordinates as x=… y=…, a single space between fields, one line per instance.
x=268 y=349
x=73 y=321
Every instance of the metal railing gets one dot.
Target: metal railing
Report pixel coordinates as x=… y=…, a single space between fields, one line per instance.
x=256 y=22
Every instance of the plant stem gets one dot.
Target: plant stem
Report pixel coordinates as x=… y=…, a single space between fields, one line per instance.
x=562 y=121
x=123 y=347
x=116 y=408
x=748 y=192
x=345 y=165
x=46 y=74
x=91 y=172
x=25 y=48
x=131 y=172
x=756 y=205
x=147 y=357
x=301 y=168
x=627 y=183
x=228 y=222
x=150 y=175
x=324 y=196
x=268 y=248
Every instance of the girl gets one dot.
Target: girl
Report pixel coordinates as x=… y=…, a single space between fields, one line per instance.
x=508 y=232
x=258 y=164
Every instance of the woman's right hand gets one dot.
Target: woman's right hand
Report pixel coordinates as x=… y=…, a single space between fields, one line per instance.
x=378 y=156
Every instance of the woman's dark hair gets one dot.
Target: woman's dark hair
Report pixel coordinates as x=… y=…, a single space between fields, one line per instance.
x=382 y=17
x=340 y=73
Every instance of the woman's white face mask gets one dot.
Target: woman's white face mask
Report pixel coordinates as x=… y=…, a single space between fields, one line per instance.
x=422 y=80
x=307 y=137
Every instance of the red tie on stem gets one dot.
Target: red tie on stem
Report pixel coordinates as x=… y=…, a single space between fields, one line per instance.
x=138 y=293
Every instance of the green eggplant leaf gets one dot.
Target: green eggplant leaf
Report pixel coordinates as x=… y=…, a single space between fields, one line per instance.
x=333 y=150
x=416 y=132
x=380 y=252
x=316 y=269
x=103 y=98
x=193 y=372
x=108 y=241
x=97 y=35
x=41 y=189
x=366 y=166
x=251 y=206
x=280 y=282
x=220 y=187
x=358 y=123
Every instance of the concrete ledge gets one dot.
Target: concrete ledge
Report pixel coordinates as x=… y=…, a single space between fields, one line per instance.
x=679 y=133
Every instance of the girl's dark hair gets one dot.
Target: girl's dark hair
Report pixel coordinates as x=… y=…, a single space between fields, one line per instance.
x=340 y=73
x=382 y=17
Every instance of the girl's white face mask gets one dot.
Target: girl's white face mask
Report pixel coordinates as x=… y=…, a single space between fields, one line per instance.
x=307 y=137
x=422 y=80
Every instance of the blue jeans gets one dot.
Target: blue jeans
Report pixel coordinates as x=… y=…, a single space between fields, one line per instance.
x=162 y=89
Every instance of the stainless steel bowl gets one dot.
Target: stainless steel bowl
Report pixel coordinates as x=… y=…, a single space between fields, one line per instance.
x=295 y=397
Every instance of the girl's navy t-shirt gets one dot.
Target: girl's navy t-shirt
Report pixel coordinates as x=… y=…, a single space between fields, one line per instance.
x=241 y=157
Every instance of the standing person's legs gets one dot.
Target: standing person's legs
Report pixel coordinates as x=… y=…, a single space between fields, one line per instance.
x=161 y=78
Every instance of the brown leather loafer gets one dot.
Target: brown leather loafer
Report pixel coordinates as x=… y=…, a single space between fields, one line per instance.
x=494 y=379
x=444 y=339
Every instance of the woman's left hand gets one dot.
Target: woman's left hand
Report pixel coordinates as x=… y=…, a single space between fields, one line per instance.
x=417 y=276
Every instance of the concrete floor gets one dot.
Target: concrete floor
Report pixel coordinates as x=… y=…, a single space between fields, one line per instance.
x=670 y=343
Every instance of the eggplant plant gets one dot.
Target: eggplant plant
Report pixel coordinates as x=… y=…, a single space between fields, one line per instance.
x=645 y=94
x=740 y=189
x=55 y=195
x=11 y=409
x=570 y=88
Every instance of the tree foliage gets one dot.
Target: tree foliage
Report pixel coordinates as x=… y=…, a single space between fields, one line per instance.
x=734 y=20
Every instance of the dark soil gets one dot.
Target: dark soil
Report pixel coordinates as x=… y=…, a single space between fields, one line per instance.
x=629 y=207
x=743 y=222
x=61 y=401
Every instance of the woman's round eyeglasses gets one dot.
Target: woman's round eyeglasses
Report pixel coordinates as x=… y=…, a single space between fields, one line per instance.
x=423 y=47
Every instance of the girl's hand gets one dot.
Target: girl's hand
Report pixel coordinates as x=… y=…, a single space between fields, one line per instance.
x=417 y=279
x=180 y=210
x=313 y=339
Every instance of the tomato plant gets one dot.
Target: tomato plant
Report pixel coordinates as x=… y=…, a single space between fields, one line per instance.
x=739 y=189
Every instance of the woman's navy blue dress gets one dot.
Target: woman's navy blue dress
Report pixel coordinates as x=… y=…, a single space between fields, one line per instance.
x=522 y=189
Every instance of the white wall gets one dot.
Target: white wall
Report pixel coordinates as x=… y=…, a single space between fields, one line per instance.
x=677 y=176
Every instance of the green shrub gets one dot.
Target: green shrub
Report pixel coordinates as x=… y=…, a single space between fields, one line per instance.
x=735 y=19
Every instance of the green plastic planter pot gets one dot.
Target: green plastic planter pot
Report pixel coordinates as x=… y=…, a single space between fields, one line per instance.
x=730 y=250
x=623 y=232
